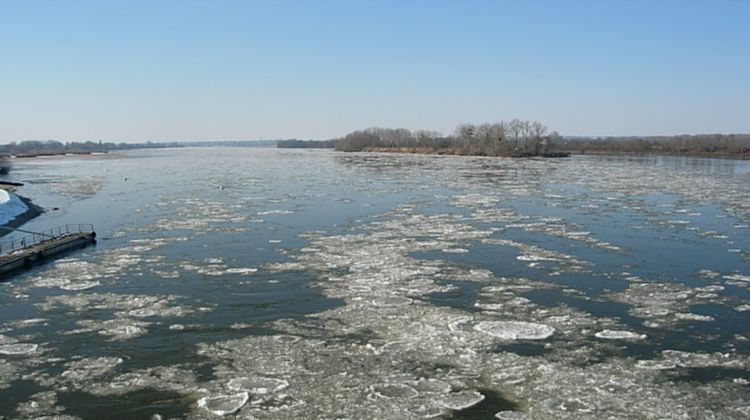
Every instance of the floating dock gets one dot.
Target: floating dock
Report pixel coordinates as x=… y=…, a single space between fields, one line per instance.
x=31 y=250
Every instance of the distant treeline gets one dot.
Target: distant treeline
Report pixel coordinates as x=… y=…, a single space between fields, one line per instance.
x=506 y=138
x=306 y=144
x=30 y=148
x=517 y=138
x=729 y=145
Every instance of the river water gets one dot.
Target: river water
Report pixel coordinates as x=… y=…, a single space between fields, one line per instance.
x=265 y=283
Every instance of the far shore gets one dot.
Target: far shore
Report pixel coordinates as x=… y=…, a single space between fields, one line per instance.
x=454 y=152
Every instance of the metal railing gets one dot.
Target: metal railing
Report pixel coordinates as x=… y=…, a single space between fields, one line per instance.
x=35 y=238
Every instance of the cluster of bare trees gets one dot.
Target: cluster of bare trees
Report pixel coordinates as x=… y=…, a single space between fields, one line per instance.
x=505 y=138
x=737 y=145
x=54 y=147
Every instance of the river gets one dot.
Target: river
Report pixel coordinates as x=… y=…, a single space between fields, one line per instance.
x=272 y=283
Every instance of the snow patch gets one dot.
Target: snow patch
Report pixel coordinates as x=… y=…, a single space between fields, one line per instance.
x=11 y=207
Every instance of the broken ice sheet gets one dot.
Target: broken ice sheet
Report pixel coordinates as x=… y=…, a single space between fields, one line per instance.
x=666 y=304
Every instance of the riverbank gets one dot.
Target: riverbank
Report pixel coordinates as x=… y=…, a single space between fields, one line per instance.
x=455 y=152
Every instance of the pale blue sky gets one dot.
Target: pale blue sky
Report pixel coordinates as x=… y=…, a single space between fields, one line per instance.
x=201 y=70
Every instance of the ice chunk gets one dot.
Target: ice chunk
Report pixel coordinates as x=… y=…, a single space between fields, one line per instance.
x=142 y=312
x=709 y=274
x=428 y=412
x=461 y=400
x=270 y=212
x=687 y=316
x=619 y=335
x=241 y=270
x=515 y=330
x=455 y=250
x=18 y=348
x=81 y=285
x=83 y=370
x=738 y=277
x=221 y=405
x=432 y=385
x=257 y=385
x=394 y=390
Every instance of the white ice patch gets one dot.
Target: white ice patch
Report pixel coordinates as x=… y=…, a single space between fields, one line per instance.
x=257 y=385
x=515 y=330
x=18 y=348
x=738 y=277
x=221 y=405
x=709 y=274
x=394 y=391
x=619 y=335
x=688 y=316
x=241 y=270
x=430 y=385
x=270 y=212
x=460 y=400
x=455 y=250
x=83 y=371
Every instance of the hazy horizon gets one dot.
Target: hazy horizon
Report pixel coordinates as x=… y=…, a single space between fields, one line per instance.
x=224 y=71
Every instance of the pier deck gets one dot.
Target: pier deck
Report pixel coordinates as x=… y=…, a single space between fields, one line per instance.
x=40 y=251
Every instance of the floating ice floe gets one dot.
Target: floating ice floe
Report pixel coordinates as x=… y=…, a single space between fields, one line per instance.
x=515 y=330
x=431 y=385
x=221 y=405
x=18 y=349
x=241 y=270
x=460 y=400
x=619 y=335
x=42 y=405
x=273 y=212
x=81 y=372
x=257 y=385
x=455 y=250
x=688 y=316
x=661 y=304
x=738 y=277
x=174 y=378
x=709 y=274
x=394 y=391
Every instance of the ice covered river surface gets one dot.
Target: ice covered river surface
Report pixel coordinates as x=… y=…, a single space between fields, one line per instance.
x=264 y=283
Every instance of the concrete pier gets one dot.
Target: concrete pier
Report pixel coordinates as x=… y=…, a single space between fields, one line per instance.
x=28 y=257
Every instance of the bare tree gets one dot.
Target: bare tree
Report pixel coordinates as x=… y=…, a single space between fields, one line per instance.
x=465 y=134
x=538 y=130
x=515 y=129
